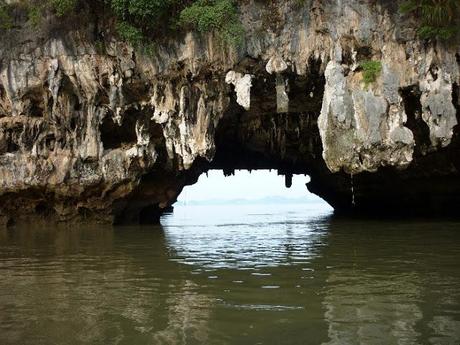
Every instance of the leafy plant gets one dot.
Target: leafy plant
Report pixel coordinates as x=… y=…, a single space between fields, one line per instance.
x=214 y=15
x=36 y=9
x=438 y=18
x=136 y=38
x=6 y=22
x=371 y=71
x=144 y=14
x=62 y=7
x=35 y=14
x=130 y=33
x=139 y=19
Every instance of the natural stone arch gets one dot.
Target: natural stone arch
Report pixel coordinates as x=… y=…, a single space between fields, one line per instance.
x=291 y=99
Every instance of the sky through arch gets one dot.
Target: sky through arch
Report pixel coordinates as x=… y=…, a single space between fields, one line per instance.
x=255 y=185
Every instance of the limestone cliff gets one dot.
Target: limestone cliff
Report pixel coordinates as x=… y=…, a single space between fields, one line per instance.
x=90 y=128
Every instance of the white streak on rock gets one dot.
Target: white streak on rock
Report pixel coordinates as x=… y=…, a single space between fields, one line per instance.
x=276 y=65
x=243 y=84
x=438 y=110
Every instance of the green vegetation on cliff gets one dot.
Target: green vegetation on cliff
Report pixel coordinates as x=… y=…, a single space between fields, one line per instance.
x=439 y=19
x=142 y=21
x=371 y=71
x=62 y=7
x=143 y=18
x=219 y=16
x=5 y=18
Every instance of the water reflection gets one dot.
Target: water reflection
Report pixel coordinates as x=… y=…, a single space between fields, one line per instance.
x=188 y=318
x=244 y=237
x=95 y=285
x=397 y=284
x=275 y=276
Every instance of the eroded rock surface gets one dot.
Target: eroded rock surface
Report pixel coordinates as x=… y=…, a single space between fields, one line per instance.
x=115 y=135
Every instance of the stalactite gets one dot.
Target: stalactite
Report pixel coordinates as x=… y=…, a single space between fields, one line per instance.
x=353 y=203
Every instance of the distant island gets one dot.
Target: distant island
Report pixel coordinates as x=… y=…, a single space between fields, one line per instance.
x=269 y=200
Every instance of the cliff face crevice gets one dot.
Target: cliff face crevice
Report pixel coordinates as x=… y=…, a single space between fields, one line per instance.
x=97 y=130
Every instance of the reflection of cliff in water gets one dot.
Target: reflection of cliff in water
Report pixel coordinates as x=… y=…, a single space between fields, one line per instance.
x=89 y=285
x=188 y=318
x=259 y=269
x=392 y=281
x=271 y=279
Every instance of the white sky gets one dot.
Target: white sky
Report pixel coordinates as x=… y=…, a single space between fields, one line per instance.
x=244 y=185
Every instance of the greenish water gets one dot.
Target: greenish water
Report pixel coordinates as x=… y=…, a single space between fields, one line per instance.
x=233 y=275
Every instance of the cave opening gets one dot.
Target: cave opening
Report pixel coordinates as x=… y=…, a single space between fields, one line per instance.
x=219 y=194
x=413 y=108
x=115 y=136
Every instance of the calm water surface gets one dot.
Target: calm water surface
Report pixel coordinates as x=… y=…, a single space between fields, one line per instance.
x=233 y=275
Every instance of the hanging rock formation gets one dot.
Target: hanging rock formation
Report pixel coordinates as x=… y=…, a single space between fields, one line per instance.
x=114 y=135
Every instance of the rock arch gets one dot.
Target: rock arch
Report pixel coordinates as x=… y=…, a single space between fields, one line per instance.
x=291 y=99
